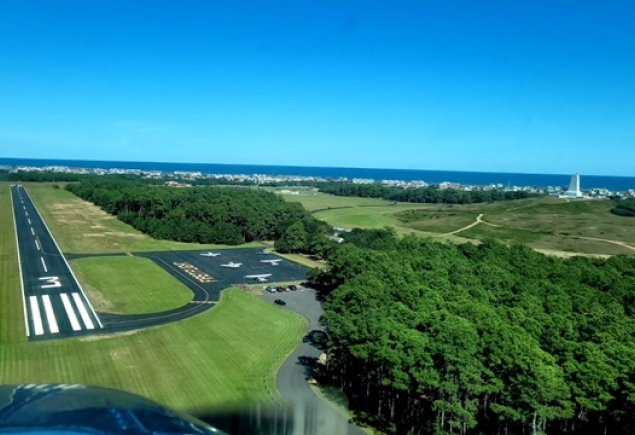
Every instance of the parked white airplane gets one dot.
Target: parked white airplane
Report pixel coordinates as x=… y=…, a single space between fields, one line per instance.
x=210 y=254
x=272 y=262
x=232 y=265
x=260 y=278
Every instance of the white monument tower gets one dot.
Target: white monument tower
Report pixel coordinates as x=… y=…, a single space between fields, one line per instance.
x=574 y=188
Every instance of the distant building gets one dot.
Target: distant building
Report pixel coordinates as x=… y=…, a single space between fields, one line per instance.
x=574 y=188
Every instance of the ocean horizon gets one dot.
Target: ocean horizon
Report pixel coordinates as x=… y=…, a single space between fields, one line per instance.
x=614 y=183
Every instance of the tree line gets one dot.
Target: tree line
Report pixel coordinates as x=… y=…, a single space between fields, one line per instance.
x=227 y=215
x=624 y=207
x=428 y=194
x=425 y=337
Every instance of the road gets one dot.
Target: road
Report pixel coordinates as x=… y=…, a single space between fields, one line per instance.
x=312 y=414
x=55 y=304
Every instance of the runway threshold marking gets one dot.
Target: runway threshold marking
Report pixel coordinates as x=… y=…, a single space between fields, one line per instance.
x=50 y=314
x=44 y=264
x=70 y=312
x=82 y=311
x=37 y=317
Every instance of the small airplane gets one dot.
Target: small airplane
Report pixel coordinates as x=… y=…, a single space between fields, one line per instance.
x=210 y=254
x=272 y=262
x=260 y=278
x=232 y=265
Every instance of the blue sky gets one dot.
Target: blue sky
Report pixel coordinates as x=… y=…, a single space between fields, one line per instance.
x=509 y=86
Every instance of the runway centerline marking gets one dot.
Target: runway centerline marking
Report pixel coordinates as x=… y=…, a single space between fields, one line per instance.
x=70 y=312
x=50 y=314
x=29 y=221
x=26 y=213
x=82 y=311
x=32 y=232
x=44 y=264
x=37 y=318
x=37 y=244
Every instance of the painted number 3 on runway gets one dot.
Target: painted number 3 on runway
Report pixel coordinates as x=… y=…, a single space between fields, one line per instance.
x=51 y=282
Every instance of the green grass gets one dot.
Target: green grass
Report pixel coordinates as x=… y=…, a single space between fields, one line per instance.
x=129 y=285
x=226 y=357
x=313 y=201
x=12 y=315
x=552 y=224
x=81 y=227
x=439 y=219
x=543 y=223
x=303 y=260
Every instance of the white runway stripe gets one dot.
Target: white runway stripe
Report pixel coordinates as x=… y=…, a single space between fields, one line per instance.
x=37 y=245
x=50 y=315
x=29 y=221
x=70 y=312
x=35 y=313
x=26 y=213
x=82 y=311
x=32 y=231
x=44 y=264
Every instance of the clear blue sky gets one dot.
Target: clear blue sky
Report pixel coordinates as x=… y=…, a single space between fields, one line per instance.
x=513 y=86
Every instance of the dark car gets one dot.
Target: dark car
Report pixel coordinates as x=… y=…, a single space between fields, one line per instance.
x=293 y=287
x=280 y=302
x=281 y=289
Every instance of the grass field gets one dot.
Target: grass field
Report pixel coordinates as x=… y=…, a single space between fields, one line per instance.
x=543 y=223
x=367 y=216
x=82 y=227
x=129 y=285
x=224 y=358
x=12 y=317
x=313 y=201
x=552 y=225
x=351 y=212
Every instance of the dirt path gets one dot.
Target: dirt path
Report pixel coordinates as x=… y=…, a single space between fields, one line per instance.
x=479 y=220
x=614 y=242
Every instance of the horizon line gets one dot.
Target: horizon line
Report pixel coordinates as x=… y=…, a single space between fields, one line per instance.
x=322 y=167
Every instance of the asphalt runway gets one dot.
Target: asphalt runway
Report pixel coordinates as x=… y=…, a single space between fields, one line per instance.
x=206 y=278
x=55 y=305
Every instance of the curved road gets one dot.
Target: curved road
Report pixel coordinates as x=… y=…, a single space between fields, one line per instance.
x=312 y=414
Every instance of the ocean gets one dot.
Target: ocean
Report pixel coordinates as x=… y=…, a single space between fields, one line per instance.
x=473 y=178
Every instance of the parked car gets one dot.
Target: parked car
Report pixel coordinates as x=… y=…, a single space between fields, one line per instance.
x=293 y=287
x=281 y=289
x=270 y=289
x=280 y=302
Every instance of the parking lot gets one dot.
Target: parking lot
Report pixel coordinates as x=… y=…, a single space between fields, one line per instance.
x=206 y=272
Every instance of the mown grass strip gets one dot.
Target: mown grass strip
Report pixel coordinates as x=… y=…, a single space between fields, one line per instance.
x=129 y=285
x=82 y=227
x=12 y=329
x=226 y=357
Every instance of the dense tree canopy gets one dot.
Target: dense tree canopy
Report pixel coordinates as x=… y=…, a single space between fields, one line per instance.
x=428 y=194
x=625 y=208
x=205 y=214
x=427 y=337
